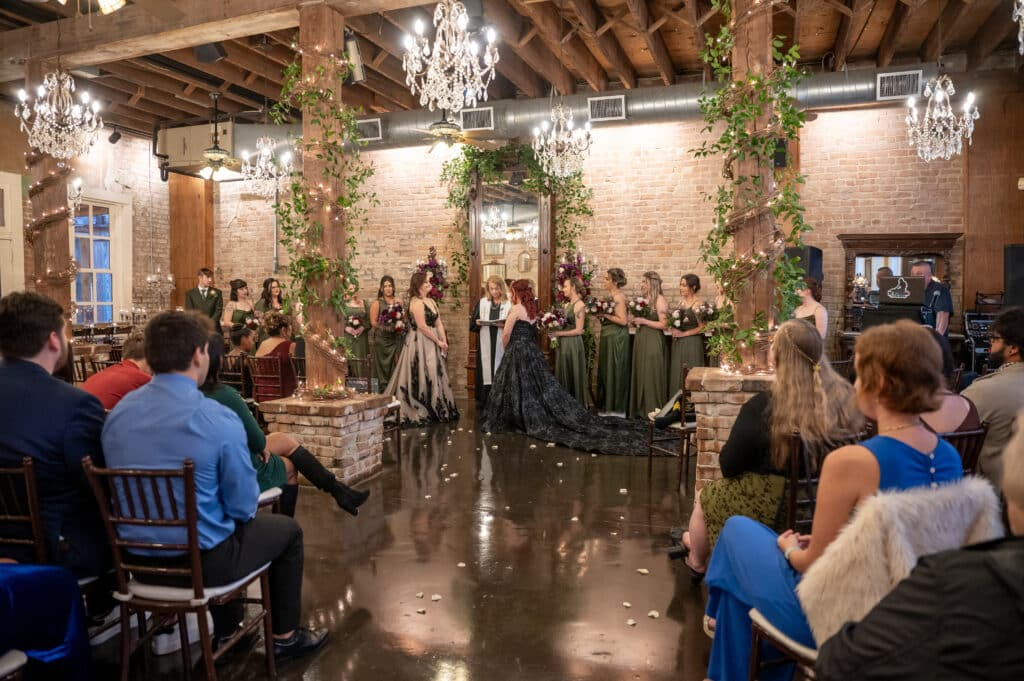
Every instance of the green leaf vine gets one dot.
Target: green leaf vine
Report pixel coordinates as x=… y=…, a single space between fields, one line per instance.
x=335 y=142
x=571 y=207
x=732 y=112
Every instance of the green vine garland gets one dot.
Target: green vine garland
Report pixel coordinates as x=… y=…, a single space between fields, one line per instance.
x=571 y=206
x=336 y=143
x=740 y=197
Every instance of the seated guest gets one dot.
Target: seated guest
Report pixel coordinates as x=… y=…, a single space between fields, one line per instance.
x=243 y=340
x=898 y=379
x=167 y=421
x=806 y=397
x=114 y=382
x=913 y=634
x=957 y=412
x=276 y=456
x=57 y=425
x=1000 y=395
x=278 y=344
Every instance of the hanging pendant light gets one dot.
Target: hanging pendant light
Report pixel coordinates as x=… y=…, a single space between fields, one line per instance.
x=940 y=133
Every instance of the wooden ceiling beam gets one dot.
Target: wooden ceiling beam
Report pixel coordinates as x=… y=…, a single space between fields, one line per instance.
x=571 y=52
x=222 y=87
x=592 y=19
x=272 y=50
x=398 y=94
x=654 y=40
x=115 y=96
x=700 y=39
x=154 y=95
x=839 y=6
x=135 y=31
x=893 y=32
x=941 y=32
x=228 y=72
x=509 y=26
x=189 y=93
x=131 y=123
x=165 y=10
x=992 y=32
x=253 y=62
x=844 y=36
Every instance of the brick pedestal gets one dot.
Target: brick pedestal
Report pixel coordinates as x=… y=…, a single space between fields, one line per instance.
x=347 y=436
x=717 y=398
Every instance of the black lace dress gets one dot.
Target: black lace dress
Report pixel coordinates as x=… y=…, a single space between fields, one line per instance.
x=526 y=397
x=420 y=379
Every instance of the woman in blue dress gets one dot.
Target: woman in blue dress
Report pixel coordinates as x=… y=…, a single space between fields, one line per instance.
x=899 y=377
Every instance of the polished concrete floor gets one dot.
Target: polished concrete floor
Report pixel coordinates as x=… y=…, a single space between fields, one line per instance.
x=533 y=551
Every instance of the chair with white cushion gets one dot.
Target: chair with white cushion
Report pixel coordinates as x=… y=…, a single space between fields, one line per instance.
x=678 y=433
x=11 y=663
x=166 y=500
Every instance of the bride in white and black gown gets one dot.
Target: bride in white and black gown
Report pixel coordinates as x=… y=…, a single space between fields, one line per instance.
x=526 y=397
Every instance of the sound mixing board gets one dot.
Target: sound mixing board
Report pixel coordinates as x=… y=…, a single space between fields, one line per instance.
x=978 y=330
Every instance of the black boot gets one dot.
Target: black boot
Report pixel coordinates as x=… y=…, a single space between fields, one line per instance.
x=289 y=498
x=307 y=464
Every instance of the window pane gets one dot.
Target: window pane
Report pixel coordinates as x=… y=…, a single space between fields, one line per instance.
x=104 y=288
x=85 y=314
x=82 y=252
x=100 y=221
x=104 y=313
x=100 y=255
x=2 y=208
x=82 y=220
x=83 y=288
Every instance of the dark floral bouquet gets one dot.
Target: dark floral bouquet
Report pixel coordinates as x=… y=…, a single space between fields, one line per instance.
x=552 y=320
x=252 y=323
x=392 y=318
x=354 y=322
x=574 y=266
x=600 y=306
x=639 y=307
x=707 y=311
x=437 y=274
x=683 y=319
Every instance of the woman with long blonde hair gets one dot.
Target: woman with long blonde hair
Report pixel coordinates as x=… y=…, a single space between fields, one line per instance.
x=487 y=321
x=806 y=397
x=648 y=389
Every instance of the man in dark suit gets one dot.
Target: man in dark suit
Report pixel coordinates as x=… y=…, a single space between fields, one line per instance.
x=205 y=298
x=54 y=423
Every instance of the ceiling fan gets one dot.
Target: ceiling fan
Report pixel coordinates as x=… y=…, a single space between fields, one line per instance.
x=447 y=133
x=218 y=166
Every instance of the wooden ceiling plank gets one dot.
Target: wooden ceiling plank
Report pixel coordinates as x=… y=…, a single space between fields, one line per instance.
x=222 y=87
x=549 y=22
x=838 y=6
x=941 y=32
x=700 y=40
x=382 y=86
x=137 y=96
x=994 y=31
x=706 y=16
x=591 y=18
x=253 y=62
x=138 y=92
x=227 y=72
x=530 y=35
x=115 y=96
x=655 y=42
x=272 y=50
x=610 y=22
x=844 y=36
x=193 y=92
x=509 y=23
x=893 y=31
x=163 y=9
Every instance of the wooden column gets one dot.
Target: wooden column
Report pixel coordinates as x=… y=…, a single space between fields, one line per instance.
x=321 y=32
x=476 y=208
x=51 y=240
x=752 y=56
x=190 y=213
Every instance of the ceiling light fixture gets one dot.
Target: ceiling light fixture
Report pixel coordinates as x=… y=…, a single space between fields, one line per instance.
x=1018 y=16
x=57 y=124
x=109 y=6
x=450 y=75
x=940 y=132
x=214 y=155
x=561 y=150
x=263 y=175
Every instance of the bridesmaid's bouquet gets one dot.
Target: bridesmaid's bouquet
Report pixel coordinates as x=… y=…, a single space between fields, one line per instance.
x=600 y=306
x=354 y=322
x=683 y=319
x=251 y=323
x=639 y=307
x=552 y=320
x=392 y=318
x=707 y=311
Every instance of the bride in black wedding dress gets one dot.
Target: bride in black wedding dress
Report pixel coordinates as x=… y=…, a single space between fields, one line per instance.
x=526 y=397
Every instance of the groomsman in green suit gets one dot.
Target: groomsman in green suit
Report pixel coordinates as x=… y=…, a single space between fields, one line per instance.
x=205 y=298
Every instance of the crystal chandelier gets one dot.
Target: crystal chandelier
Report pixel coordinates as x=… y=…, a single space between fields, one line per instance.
x=498 y=226
x=449 y=75
x=1018 y=16
x=495 y=222
x=940 y=133
x=57 y=124
x=263 y=175
x=561 y=147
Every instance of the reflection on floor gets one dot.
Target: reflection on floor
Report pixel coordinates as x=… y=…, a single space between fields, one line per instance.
x=534 y=553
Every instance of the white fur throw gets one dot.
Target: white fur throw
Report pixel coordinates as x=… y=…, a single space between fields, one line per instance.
x=882 y=542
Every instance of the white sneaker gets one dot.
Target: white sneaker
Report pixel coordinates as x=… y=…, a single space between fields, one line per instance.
x=111 y=627
x=170 y=642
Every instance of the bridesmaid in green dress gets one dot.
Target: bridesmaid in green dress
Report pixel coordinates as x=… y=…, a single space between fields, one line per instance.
x=648 y=389
x=571 y=355
x=271 y=299
x=386 y=343
x=239 y=307
x=613 y=357
x=355 y=308
x=688 y=342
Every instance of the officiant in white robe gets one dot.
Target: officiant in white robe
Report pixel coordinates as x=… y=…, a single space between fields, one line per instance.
x=486 y=322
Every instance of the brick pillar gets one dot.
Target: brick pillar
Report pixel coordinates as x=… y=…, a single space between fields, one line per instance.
x=717 y=398
x=346 y=436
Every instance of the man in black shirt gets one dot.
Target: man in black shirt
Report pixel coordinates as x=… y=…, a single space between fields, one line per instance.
x=938 y=303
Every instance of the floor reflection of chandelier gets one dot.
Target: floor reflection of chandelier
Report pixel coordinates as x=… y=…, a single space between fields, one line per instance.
x=940 y=132
x=449 y=75
x=561 y=147
x=1018 y=16
x=262 y=175
x=56 y=123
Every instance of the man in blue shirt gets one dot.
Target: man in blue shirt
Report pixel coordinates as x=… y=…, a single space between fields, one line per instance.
x=57 y=425
x=168 y=420
x=938 y=303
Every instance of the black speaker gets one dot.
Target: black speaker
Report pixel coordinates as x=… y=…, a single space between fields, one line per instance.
x=810 y=261
x=779 y=157
x=1013 y=275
